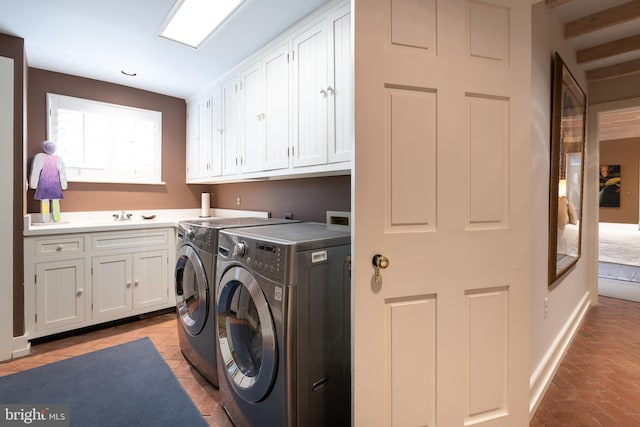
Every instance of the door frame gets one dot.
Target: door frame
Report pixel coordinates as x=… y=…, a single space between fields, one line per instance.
x=592 y=166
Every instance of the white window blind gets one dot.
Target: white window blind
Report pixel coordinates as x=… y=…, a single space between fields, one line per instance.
x=101 y=142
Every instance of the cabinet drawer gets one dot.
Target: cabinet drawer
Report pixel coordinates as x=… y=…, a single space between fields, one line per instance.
x=109 y=241
x=64 y=246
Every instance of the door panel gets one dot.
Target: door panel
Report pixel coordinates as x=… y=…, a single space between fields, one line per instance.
x=442 y=128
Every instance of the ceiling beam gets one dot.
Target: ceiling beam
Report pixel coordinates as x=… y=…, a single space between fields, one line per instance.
x=606 y=50
x=555 y=3
x=613 y=71
x=616 y=15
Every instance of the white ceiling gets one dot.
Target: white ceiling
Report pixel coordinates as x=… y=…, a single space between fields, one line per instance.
x=97 y=39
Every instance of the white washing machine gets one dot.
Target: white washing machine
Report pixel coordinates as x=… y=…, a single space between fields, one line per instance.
x=283 y=304
x=194 y=285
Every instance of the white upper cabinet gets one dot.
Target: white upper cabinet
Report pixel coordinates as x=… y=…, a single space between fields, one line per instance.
x=276 y=113
x=340 y=88
x=310 y=98
x=285 y=111
x=253 y=119
x=198 y=156
x=231 y=131
x=203 y=146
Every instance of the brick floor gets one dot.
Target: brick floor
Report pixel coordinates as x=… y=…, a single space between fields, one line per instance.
x=598 y=381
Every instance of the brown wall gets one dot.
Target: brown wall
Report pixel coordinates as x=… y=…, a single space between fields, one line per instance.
x=13 y=47
x=175 y=194
x=626 y=153
x=307 y=199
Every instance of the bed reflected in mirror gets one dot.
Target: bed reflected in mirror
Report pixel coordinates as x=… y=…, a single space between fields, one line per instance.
x=568 y=114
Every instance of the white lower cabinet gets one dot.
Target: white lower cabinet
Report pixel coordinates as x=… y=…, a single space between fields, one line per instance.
x=122 y=284
x=60 y=294
x=73 y=281
x=111 y=277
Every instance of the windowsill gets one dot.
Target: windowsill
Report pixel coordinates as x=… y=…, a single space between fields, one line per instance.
x=118 y=182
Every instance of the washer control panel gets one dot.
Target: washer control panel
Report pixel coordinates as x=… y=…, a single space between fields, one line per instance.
x=264 y=258
x=201 y=237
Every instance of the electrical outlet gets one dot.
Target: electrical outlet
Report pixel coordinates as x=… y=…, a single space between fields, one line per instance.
x=238 y=201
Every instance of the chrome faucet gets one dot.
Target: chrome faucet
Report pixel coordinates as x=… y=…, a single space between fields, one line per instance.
x=122 y=216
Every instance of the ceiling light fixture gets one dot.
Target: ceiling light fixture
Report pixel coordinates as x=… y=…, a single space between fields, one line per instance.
x=191 y=21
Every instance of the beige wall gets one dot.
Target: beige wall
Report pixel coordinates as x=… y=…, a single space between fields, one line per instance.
x=552 y=308
x=626 y=153
x=175 y=194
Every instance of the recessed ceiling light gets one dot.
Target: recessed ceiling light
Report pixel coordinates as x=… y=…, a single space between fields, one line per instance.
x=191 y=21
x=129 y=73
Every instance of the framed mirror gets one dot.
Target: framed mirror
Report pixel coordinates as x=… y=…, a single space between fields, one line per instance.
x=568 y=114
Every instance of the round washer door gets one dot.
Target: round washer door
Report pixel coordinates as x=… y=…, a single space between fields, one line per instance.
x=246 y=335
x=192 y=291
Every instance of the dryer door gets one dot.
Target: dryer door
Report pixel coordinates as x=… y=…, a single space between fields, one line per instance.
x=192 y=291
x=246 y=335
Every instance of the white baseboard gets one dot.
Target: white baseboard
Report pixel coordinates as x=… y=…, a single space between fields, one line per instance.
x=21 y=346
x=543 y=374
x=619 y=289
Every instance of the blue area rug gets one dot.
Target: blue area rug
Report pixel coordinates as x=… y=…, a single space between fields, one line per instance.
x=125 y=385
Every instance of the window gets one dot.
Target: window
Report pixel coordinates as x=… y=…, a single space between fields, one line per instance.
x=101 y=142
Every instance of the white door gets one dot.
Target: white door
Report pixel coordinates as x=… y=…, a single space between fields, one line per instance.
x=442 y=185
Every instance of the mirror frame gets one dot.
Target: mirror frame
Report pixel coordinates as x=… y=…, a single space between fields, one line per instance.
x=567 y=97
x=568 y=120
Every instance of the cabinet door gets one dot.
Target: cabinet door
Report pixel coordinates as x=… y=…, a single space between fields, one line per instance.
x=310 y=96
x=150 y=279
x=253 y=147
x=340 y=89
x=216 y=132
x=230 y=126
x=199 y=139
x=60 y=294
x=112 y=286
x=193 y=142
x=276 y=115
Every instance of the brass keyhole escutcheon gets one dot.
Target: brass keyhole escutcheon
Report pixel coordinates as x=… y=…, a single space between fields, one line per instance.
x=379 y=262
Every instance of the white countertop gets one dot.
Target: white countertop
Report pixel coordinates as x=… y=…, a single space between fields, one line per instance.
x=89 y=222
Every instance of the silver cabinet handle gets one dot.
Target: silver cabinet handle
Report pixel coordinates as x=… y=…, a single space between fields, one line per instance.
x=330 y=90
